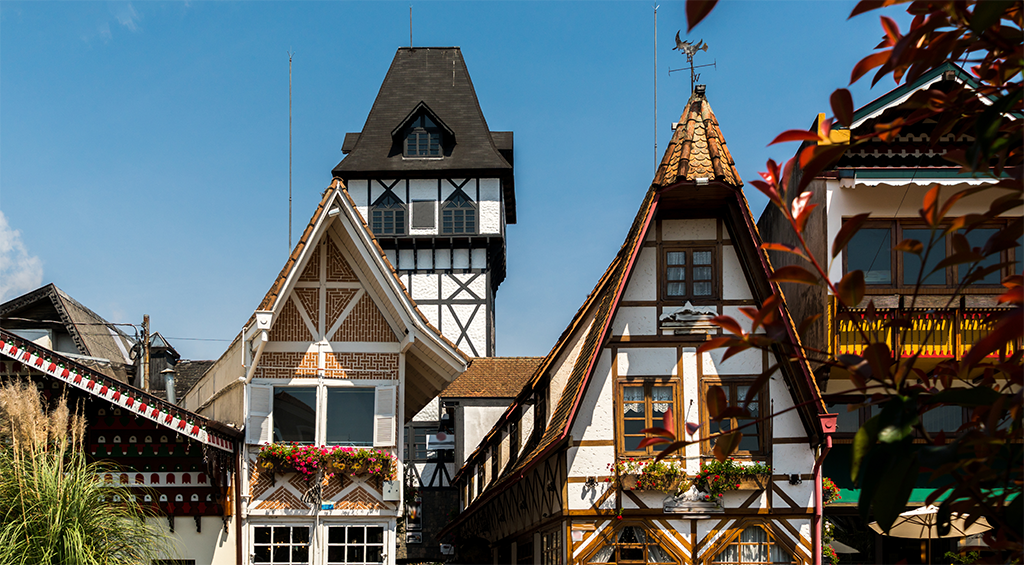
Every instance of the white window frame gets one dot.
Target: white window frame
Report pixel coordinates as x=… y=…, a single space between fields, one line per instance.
x=292 y=523
x=389 y=541
x=261 y=424
x=318 y=535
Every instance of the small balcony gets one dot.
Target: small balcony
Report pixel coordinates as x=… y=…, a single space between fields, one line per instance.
x=937 y=334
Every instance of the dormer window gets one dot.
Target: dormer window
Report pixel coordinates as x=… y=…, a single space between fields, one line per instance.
x=388 y=215
x=422 y=138
x=458 y=214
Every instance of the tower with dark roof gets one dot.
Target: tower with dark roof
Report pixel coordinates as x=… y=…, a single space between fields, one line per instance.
x=436 y=188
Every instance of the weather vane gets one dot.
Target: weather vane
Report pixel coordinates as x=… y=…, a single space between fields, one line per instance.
x=690 y=49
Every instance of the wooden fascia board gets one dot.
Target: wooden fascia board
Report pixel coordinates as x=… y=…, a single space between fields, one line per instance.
x=798 y=374
x=300 y=262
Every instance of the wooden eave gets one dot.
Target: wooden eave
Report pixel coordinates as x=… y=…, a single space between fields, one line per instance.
x=117 y=393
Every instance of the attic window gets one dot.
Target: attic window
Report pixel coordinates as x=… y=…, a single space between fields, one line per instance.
x=458 y=214
x=422 y=138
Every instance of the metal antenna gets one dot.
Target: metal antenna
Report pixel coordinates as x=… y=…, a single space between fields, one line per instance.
x=290 y=54
x=656 y=86
x=690 y=49
x=410 y=26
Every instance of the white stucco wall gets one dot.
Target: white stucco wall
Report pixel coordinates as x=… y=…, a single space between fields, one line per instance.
x=734 y=282
x=689 y=230
x=212 y=546
x=635 y=320
x=647 y=361
x=643 y=283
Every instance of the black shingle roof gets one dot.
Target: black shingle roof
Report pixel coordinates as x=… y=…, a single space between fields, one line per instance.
x=438 y=78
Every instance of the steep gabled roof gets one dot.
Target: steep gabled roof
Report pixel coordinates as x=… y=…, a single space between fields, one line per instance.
x=433 y=360
x=93 y=335
x=100 y=386
x=435 y=78
x=689 y=154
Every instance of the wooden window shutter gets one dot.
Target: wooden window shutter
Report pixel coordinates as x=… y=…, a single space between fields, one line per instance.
x=384 y=416
x=261 y=405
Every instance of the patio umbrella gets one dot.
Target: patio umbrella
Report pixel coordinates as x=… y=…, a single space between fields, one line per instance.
x=922 y=523
x=840 y=547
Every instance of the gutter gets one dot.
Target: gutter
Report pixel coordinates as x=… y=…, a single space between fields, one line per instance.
x=828 y=425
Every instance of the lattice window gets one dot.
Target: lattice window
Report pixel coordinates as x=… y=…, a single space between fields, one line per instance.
x=423 y=139
x=736 y=390
x=643 y=405
x=281 y=544
x=754 y=545
x=359 y=545
x=690 y=273
x=633 y=544
x=388 y=215
x=458 y=214
x=551 y=547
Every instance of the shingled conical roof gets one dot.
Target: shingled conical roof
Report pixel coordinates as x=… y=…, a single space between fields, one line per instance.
x=697 y=149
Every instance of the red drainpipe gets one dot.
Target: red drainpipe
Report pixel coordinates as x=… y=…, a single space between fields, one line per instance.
x=828 y=425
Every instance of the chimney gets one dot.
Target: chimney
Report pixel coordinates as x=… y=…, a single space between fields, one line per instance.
x=168 y=375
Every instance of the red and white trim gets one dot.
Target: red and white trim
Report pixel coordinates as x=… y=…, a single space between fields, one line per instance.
x=130 y=400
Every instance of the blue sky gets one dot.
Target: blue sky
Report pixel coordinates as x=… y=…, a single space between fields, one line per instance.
x=144 y=145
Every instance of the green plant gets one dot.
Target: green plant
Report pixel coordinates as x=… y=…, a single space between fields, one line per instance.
x=651 y=474
x=962 y=558
x=718 y=477
x=829 y=491
x=52 y=508
x=828 y=553
x=309 y=459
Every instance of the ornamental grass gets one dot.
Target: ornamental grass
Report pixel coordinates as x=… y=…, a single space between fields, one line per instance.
x=52 y=507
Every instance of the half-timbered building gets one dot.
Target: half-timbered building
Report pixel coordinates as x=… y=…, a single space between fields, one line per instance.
x=179 y=465
x=436 y=187
x=541 y=486
x=889 y=178
x=336 y=357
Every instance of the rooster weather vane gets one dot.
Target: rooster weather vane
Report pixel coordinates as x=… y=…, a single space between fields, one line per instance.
x=690 y=49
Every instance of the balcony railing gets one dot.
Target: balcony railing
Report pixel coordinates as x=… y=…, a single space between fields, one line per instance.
x=939 y=334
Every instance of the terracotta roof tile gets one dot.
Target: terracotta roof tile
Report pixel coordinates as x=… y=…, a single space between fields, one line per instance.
x=493 y=377
x=697 y=149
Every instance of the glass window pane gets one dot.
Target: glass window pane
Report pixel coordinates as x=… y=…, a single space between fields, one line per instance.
x=676 y=274
x=261 y=554
x=943 y=419
x=701 y=257
x=374 y=535
x=354 y=554
x=633 y=427
x=632 y=443
x=977 y=238
x=261 y=535
x=335 y=554
x=677 y=289
x=870 y=250
x=294 y=417
x=912 y=263
x=847 y=422
x=702 y=273
x=374 y=554
x=300 y=535
x=355 y=534
x=350 y=416
x=282 y=554
x=336 y=535
x=300 y=554
x=702 y=288
x=676 y=258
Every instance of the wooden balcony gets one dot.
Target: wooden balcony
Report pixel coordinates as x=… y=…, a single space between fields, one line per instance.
x=937 y=334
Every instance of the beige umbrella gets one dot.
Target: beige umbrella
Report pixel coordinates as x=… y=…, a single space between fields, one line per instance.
x=922 y=523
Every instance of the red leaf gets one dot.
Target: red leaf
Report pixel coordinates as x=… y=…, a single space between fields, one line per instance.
x=867 y=63
x=930 y=206
x=715 y=343
x=736 y=349
x=817 y=158
x=784 y=248
x=851 y=288
x=697 y=10
x=692 y=428
x=769 y=307
x=842 y=106
x=670 y=422
x=909 y=246
x=846 y=233
x=716 y=401
x=866 y=6
x=659 y=432
x=892 y=31
x=768 y=190
x=795 y=135
x=726 y=445
x=794 y=274
x=651 y=441
x=728 y=324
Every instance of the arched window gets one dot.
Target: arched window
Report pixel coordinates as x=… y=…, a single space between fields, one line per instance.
x=633 y=544
x=458 y=214
x=754 y=545
x=422 y=138
x=388 y=215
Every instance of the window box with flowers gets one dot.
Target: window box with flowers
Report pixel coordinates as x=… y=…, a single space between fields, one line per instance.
x=718 y=477
x=308 y=460
x=648 y=474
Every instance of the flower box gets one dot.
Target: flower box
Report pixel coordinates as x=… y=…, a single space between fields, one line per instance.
x=639 y=482
x=754 y=482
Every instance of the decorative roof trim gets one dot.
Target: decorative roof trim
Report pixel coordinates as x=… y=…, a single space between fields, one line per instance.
x=115 y=392
x=422 y=107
